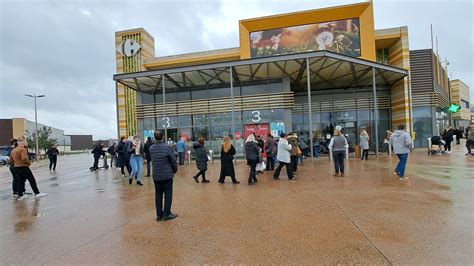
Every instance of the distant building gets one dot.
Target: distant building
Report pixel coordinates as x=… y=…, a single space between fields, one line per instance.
x=460 y=96
x=16 y=127
x=81 y=142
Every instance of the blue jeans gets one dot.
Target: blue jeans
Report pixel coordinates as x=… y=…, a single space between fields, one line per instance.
x=316 y=151
x=400 y=169
x=137 y=166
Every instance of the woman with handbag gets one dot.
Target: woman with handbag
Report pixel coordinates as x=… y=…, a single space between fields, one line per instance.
x=227 y=161
x=201 y=160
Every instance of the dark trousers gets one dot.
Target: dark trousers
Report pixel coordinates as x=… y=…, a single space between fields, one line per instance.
x=163 y=188
x=469 y=144
x=14 y=180
x=112 y=160
x=289 y=170
x=24 y=173
x=270 y=163
x=203 y=173
x=52 y=162
x=148 y=165
x=448 y=145
x=338 y=157
x=457 y=140
x=126 y=163
x=365 y=154
x=181 y=158
x=96 y=162
x=253 y=171
x=294 y=162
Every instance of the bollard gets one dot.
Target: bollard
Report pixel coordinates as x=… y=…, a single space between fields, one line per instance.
x=429 y=143
x=330 y=155
x=211 y=152
x=189 y=157
x=454 y=140
x=347 y=153
x=389 y=149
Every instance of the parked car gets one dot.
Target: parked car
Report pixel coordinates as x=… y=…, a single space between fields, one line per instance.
x=4 y=160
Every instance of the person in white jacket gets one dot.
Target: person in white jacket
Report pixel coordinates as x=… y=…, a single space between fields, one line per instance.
x=284 y=159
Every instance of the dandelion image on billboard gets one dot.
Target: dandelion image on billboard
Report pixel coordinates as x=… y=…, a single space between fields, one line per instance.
x=340 y=36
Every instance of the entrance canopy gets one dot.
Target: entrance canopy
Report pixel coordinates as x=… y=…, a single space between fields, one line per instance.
x=328 y=70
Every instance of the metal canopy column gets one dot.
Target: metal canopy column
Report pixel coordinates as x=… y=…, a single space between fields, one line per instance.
x=164 y=106
x=310 y=109
x=232 y=103
x=376 y=113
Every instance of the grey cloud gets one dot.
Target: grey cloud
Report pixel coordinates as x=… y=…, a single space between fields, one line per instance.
x=65 y=49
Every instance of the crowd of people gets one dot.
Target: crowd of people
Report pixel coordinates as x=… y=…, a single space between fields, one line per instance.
x=163 y=157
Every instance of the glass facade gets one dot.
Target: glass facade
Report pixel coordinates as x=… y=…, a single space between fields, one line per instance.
x=214 y=124
x=352 y=116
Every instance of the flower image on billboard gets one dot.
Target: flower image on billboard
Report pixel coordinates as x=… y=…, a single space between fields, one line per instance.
x=342 y=36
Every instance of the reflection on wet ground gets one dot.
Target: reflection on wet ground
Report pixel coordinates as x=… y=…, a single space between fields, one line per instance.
x=369 y=216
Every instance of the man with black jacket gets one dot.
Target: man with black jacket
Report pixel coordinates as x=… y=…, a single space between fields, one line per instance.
x=164 y=168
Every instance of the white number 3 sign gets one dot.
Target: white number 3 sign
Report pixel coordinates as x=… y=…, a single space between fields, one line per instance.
x=256 y=116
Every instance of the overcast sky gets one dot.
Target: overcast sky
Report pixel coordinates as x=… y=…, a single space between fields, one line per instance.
x=65 y=49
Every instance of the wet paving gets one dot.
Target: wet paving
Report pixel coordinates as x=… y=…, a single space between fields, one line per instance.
x=369 y=216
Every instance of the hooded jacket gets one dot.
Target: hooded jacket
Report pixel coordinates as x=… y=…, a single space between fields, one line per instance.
x=252 y=151
x=401 y=142
x=201 y=156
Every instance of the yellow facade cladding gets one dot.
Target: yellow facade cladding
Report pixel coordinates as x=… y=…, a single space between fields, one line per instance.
x=363 y=11
x=126 y=98
x=396 y=41
x=215 y=56
x=460 y=91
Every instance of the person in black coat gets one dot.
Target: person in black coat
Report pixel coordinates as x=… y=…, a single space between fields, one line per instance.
x=201 y=160
x=97 y=152
x=252 y=154
x=448 y=138
x=121 y=156
x=53 y=156
x=227 y=161
x=164 y=168
x=148 y=144
x=458 y=133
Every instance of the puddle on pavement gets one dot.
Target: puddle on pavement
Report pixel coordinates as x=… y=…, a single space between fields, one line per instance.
x=53 y=178
x=99 y=190
x=54 y=185
x=23 y=226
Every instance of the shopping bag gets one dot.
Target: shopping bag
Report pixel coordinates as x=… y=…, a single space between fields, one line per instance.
x=261 y=166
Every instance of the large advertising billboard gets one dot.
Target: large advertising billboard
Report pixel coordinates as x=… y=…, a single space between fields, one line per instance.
x=341 y=36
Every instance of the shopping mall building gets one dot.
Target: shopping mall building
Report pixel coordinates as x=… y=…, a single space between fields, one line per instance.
x=304 y=72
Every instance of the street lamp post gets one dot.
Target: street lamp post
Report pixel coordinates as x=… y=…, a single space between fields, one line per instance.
x=36 y=123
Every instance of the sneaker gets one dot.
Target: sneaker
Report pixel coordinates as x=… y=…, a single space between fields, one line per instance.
x=292 y=178
x=39 y=195
x=23 y=197
x=15 y=196
x=170 y=217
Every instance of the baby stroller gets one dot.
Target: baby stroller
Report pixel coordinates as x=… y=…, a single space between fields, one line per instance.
x=437 y=146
